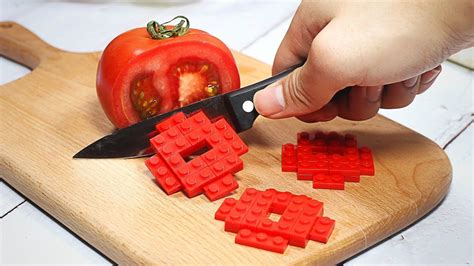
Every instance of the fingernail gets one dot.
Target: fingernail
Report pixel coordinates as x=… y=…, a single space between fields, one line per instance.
x=270 y=100
x=410 y=83
x=429 y=76
x=374 y=94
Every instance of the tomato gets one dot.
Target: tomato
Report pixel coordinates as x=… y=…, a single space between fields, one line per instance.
x=139 y=77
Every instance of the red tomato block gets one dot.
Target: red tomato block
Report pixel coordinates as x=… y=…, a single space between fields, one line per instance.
x=303 y=139
x=186 y=169
x=303 y=150
x=194 y=183
x=288 y=158
x=225 y=130
x=170 y=122
x=322 y=229
x=198 y=136
x=164 y=177
x=221 y=187
x=196 y=120
x=319 y=143
x=350 y=141
x=355 y=178
x=170 y=145
x=343 y=165
x=290 y=216
x=335 y=143
x=328 y=181
x=304 y=155
x=281 y=201
x=266 y=225
x=308 y=168
x=227 y=165
x=216 y=154
x=299 y=233
x=238 y=212
x=366 y=161
x=261 y=240
x=260 y=209
x=225 y=209
x=352 y=156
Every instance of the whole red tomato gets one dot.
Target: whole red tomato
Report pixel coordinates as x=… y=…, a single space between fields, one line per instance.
x=139 y=77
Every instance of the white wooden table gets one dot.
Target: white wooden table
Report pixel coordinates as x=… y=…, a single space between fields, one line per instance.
x=443 y=114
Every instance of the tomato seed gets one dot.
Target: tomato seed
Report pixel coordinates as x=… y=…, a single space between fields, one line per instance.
x=211 y=90
x=143 y=98
x=204 y=68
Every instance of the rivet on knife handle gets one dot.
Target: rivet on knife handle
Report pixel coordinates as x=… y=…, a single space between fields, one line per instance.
x=241 y=101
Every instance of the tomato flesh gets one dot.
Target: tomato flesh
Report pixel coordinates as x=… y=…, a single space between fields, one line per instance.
x=191 y=80
x=145 y=100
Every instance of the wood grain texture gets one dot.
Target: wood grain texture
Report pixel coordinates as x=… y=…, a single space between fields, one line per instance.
x=50 y=114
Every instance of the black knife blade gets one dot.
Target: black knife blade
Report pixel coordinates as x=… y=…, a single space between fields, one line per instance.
x=133 y=141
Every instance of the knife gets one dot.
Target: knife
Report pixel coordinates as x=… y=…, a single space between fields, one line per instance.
x=134 y=141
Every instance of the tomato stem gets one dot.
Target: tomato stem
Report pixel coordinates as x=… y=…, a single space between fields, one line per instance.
x=159 y=31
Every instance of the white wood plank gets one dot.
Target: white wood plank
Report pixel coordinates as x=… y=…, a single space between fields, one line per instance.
x=464 y=58
x=265 y=48
x=9 y=199
x=446 y=235
x=439 y=114
x=30 y=237
x=89 y=27
x=444 y=109
x=10 y=71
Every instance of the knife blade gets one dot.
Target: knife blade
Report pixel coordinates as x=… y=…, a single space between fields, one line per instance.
x=134 y=141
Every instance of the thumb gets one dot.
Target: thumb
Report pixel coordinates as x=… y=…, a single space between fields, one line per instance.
x=276 y=100
x=303 y=91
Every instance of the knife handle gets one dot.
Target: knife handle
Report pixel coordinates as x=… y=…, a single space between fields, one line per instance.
x=241 y=101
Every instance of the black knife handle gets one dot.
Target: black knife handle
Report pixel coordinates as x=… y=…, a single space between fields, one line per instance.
x=239 y=99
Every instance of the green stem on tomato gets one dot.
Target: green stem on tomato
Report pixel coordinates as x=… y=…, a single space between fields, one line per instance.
x=159 y=31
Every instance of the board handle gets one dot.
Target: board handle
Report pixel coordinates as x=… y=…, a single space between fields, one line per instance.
x=23 y=46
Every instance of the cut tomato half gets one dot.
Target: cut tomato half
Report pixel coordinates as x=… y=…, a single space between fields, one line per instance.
x=140 y=77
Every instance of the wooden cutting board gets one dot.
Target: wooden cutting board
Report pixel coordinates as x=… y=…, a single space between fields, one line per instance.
x=53 y=112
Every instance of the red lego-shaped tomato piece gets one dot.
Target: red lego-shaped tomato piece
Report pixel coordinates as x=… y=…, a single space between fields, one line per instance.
x=196 y=155
x=327 y=160
x=301 y=219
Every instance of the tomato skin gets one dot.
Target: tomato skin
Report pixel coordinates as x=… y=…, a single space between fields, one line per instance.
x=135 y=53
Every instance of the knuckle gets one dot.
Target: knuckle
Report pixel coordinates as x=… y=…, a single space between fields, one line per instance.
x=298 y=92
x=337 y=63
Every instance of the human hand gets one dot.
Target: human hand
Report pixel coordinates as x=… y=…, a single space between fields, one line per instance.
x=386 y=52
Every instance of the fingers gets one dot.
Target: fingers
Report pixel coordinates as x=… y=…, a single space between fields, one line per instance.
x=327 y=113
x=427 y=79
x=401 y=94
x=360 y=103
